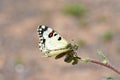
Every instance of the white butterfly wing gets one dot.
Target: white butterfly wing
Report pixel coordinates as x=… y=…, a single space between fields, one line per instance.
x=50 y=42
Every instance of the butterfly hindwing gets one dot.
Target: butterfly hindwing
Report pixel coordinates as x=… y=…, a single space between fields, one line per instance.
x=50 y=42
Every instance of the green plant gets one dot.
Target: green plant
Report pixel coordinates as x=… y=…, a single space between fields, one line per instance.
x=74 y=9
x=110 y=78
x=107 y=36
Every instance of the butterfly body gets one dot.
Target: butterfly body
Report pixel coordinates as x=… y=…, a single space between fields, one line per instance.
x=51 y=43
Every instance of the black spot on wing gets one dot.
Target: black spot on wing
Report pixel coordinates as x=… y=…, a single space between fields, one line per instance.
x=43 y=41
x=42 y=29
x=39 y=46
x=41 y=32
x=59 y=38
x=40 y=26
x=55 y=34
x=45 y=28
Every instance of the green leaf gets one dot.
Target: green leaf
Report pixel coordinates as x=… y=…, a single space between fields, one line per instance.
x=75 y=9
x=107 y=36
x=101 y=54
x=110 y=78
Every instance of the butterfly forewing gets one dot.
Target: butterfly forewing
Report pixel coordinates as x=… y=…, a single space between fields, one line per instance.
x=50 y=42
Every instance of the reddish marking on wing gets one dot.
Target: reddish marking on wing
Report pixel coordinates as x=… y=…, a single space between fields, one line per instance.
x=51 y=34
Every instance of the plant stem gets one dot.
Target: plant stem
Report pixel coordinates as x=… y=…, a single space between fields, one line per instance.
x=100 y=63
x=105 y=65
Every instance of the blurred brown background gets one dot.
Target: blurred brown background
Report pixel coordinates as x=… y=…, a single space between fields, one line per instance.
x=95 y=26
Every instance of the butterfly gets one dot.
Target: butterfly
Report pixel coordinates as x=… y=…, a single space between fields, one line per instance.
x=53 y=44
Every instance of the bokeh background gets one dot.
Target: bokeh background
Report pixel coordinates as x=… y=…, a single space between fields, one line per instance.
x=92 y=24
